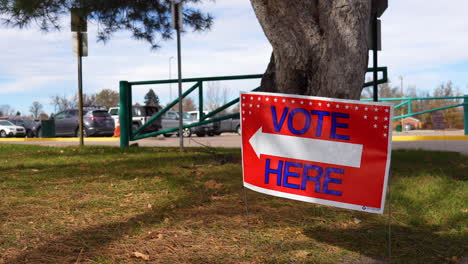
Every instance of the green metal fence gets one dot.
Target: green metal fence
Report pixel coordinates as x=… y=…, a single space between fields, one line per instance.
x=125 y=115
x=409 y=102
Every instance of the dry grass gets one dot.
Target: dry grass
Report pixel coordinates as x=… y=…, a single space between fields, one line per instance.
x=156 y=205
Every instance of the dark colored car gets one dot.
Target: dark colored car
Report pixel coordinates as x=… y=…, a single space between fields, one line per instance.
x=95 y=122
x=29 y=125
x=229 y=125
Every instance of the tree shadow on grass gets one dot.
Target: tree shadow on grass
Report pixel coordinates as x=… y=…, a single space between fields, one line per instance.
x=66 y=247
x=90 y=241
x=409 y=244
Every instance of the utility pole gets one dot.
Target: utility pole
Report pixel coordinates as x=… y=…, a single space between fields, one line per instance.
x=177 y=24
x=401 y=95
x=79 y=25
x=170 y=77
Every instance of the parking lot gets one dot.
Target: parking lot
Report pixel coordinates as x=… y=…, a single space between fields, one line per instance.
x=402 y=140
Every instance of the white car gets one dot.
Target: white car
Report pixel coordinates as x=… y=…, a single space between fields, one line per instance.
x=8 y=129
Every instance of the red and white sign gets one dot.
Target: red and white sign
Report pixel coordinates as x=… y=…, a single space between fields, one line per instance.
x=321 y=150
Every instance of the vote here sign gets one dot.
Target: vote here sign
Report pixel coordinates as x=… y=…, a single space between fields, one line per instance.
x=321 y=150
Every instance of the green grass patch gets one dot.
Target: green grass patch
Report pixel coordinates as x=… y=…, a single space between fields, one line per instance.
x=104 y=204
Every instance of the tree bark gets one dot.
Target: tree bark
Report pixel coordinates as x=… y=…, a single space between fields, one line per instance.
x=319 y=46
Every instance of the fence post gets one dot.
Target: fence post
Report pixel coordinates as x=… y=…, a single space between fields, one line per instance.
x=465 y=112
x=123 y=114
x=200 y=101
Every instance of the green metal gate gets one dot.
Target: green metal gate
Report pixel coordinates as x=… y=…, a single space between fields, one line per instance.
x=125 y=115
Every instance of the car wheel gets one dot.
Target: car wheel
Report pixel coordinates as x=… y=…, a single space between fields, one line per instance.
x=210 y=134
x=200 y=134
x=39 y=133
x=29 y=134
x=77 y=132
x=238 y=130
x=3 y=134
x=167 y=135
x=187 y=132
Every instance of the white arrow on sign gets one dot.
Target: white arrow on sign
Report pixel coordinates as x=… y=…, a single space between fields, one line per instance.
x=308 y=149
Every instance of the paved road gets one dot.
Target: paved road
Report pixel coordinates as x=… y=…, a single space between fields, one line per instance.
x=230 y=140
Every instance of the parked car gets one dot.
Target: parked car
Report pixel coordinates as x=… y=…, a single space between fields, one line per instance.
x=229 y=125
x=29 y=125
x=140 y=115
x=209 y=129
x=171 y=119
x=96 y=122
x=8 y=129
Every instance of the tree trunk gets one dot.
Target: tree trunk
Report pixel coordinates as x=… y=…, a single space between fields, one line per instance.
x=319 y=46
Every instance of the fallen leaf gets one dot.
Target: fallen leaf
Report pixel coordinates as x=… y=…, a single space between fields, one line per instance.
x=140 y=255
x=34 y=170
x=357 y=221
x=211 y=184
x=149 y=206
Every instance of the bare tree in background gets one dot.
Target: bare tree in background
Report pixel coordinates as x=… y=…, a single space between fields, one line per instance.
x=215 y=96
x=36 y=109
x=60 y=103
x=188 y=105
x=7 y=110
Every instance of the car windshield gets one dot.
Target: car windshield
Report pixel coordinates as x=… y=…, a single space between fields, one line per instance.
x=188 y=116
x=5 y=123
x=114 y=111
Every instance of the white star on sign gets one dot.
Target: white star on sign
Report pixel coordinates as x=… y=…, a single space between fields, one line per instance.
x=366 y=109
x=385 y=134
x=356 y=108
x=337 y=106
x=293 y=101
x=302 y=102
x=251 y=98
x=375 y=126
x=258 y=106
x=347 y=106
x=328 y=105
x=284 y=100
x=365 y=117
x=310 y=103
x=243 y=104
x=320 y=104
x=385 y=118
x=259 y=98
x=250 y=105
x=386 y=110
x=276 y=100
x=268 y=99
x=250 y=112
x=376 y=117
x=376 y=109
x=385 y=126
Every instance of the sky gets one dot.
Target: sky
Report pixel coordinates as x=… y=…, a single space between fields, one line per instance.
x=424 y=42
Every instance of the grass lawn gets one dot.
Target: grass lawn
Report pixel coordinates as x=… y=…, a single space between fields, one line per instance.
x=157 y=205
